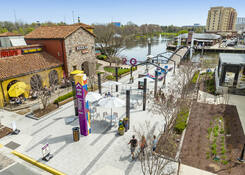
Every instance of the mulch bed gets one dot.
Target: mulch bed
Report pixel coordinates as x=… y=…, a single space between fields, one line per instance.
x=41 y=112
x=4 y=131
x=196 y=141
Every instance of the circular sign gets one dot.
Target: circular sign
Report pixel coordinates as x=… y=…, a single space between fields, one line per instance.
x=124 y=60
x=133 y=61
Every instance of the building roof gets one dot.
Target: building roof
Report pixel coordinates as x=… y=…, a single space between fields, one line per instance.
x=25 y=64
x=86 y=26
x=202 y=36
x=54 y=32
x=232 y=58
x=6 y=34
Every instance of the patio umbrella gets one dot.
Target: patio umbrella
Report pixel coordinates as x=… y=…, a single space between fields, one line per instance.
x=76 y=72
x=93 y=96
x=111 y=102
x=110 y=83
x=17 y=89
x=109 y=170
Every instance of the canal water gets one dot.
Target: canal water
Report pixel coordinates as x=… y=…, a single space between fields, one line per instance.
x=139 y=49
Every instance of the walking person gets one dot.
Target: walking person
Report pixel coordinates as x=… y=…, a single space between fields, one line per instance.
x=143 y=145
x=133 y=144
x=154 y=143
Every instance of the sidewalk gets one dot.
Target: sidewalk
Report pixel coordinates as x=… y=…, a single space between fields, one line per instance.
x=187 y=170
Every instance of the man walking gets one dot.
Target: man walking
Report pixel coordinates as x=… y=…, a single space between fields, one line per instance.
x=133 y=144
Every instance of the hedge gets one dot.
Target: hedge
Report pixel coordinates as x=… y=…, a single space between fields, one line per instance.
x=63 y=97
x=180 y=123
x=121 y=71
x=110 y=77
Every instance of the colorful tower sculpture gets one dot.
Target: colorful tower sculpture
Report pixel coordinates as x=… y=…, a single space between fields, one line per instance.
x=83 y=106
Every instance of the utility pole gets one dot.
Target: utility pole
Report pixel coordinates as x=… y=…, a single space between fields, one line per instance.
x=116 y=71
x=156 y=79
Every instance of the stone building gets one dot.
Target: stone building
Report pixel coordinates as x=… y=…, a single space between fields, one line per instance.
x=71 y=44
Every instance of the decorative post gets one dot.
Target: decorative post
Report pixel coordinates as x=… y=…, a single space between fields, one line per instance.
x=74 y=97
x=116 y=71
x=99 y=83
x=156 y=79
x=83 y=106
x=128 y=106
x=144 y=94
x=241 y=158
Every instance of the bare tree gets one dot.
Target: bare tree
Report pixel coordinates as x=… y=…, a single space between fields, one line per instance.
x=152 y=163
x=110 y=42
x=186 y=72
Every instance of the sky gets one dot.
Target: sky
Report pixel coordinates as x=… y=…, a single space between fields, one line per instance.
x=162 y=12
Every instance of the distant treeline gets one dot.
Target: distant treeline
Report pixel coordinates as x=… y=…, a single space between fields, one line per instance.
x=129 y=29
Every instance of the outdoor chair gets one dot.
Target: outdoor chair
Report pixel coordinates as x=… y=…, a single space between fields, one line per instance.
x=104 y=115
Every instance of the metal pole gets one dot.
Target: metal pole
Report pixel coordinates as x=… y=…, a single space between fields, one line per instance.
x=156 y=79
x=116 y=70
x=128 y=106
x=149 y=46
x=144 y=94
x=99 y=83
x=74 y=97
x=174 y=66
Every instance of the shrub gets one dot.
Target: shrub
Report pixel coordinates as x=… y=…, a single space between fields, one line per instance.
x=209 y=131
x=207 y=155
x=194 y=79
x=214 y=152
x=64 y=97
x=213 y=146
x=224 y=162
x=102 y=57
x=110 y=77
x=222 y=131
x=180 y=123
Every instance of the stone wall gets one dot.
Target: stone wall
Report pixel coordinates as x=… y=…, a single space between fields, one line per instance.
x=75 y=57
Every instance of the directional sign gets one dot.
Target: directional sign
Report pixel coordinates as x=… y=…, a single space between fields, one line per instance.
x=133 y=61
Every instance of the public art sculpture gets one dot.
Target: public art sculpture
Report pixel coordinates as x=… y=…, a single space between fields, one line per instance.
x=83 y=106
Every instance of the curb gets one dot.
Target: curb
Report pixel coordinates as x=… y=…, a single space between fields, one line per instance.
x=38 y=164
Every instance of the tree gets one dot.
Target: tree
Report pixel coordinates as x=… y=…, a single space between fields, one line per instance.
x=110 y=42
x=152 y=163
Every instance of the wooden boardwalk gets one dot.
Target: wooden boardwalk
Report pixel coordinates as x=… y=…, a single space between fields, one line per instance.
x=179 y=54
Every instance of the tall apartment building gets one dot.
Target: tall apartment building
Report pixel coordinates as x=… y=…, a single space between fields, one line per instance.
x=221 y=19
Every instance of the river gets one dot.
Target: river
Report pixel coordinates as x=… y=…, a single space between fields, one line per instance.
x=139 y=49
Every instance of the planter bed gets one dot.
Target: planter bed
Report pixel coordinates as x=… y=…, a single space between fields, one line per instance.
x=4 y=131
x=205 y=127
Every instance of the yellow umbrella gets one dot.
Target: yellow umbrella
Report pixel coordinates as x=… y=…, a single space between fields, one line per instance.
x=77 y=72
x=17 y=89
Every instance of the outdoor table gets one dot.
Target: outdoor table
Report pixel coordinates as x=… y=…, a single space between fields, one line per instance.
x=111 y=117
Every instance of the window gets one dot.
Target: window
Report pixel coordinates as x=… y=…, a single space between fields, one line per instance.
x=74 y=67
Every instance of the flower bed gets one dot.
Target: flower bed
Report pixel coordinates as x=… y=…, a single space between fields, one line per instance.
x=217 y=147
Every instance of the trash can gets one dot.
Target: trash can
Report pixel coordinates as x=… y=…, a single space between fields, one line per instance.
x=76 y=134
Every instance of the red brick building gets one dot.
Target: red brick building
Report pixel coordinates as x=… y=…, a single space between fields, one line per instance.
x=73 y=45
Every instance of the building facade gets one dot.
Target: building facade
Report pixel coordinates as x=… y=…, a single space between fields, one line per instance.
x=241 y=20
x=28 y=64
x=221 y=19
x=74 y=45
